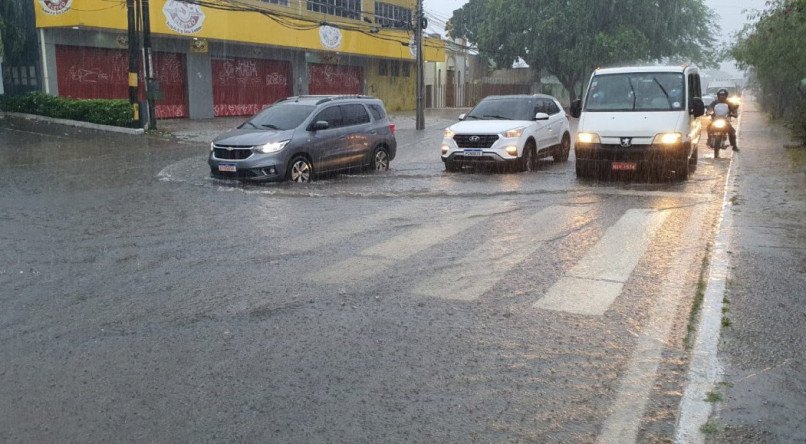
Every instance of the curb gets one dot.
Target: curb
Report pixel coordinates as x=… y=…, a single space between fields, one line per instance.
x=76 y=123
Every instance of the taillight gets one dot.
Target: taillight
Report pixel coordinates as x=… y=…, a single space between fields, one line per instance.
x=392 y=128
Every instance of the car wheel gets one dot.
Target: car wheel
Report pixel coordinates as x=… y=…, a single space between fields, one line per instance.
x=528 y=158
x=561 y=155
x=452 y=167
x=300 y=170
x=380 y=159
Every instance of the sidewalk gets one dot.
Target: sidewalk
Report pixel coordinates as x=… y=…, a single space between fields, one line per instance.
x=205 y=130
x=762 y=346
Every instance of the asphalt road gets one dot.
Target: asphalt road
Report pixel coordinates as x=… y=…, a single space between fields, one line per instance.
x=144 y=301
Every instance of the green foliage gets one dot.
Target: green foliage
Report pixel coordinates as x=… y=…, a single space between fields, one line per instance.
x=773 y=49
x=570 y=38
x=101 y=111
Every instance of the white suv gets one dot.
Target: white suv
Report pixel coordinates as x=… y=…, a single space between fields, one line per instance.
x=514 y=130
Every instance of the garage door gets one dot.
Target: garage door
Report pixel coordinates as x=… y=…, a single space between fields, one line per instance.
x=98 y=73
x=335 y=79
x=242 y=87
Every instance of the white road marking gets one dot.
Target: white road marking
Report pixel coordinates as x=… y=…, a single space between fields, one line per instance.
x=598 y=278
x=373 y=261
x=483 y=267
x=636 y=385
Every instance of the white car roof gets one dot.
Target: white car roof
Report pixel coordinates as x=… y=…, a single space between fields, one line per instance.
x=629 y=69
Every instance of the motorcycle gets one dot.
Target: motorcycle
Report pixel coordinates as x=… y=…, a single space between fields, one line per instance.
x=719 y=127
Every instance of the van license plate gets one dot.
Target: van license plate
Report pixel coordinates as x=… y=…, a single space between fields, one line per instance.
x=624 y=166
x=473 y=153
x=227 y=167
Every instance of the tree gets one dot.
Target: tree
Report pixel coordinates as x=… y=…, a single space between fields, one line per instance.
x=12 y=34
x=773 y=49
x=569 y=38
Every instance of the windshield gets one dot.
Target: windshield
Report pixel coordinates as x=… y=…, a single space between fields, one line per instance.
x=503 y=109
x=279 y=117
x=636 y=92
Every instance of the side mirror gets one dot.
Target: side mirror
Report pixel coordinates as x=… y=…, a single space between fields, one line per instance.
x=541 y=116
x=462 y=116
x=697 y=107
x=320 y=125
x=576 y=108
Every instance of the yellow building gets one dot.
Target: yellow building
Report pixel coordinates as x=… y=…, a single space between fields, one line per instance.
x=232 y=57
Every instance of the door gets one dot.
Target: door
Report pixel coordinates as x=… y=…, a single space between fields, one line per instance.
x=327 y=147
x=450 y=89
x=335 y=79
x=242 y=87
x=358 y=134
x=544 y=135
x=555 y=122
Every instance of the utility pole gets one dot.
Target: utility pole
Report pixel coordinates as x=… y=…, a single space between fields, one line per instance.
x=133 y=59
x=148 y=65
x=420 y=121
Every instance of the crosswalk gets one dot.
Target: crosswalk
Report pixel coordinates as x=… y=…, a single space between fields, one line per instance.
x=511 y=237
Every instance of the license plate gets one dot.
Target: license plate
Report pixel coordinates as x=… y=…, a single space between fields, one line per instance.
x=624 y=166
x=473 y=153
x=227 y=167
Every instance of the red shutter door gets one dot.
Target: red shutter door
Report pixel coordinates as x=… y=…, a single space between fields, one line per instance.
x=242 y=87
x=98 y=73
x=335 y=79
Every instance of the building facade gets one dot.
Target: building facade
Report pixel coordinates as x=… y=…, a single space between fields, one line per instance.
x=233 y=58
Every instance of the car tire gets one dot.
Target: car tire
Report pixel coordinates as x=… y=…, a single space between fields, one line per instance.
x=527 y=161
x=452 y=167
x=694 y=157
x=563 y=150
x=380 y=159
x=300 y=170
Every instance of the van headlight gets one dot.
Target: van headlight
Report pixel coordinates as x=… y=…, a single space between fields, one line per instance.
x=588 y=138
x=513 y=133
x=271 y=147
x=667 y=139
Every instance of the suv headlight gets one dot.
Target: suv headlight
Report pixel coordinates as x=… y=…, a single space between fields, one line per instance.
x=513 y=133
x=667 y=139
x=271 y=147
x=448 y=134
x=588 y=138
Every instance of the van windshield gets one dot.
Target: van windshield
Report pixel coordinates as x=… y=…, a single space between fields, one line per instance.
x=662 y=91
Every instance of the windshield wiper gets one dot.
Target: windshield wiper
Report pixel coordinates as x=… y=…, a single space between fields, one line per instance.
x=629 y=80
x=474 y=117
x=250 y=123
x=668 y=100
x=493 y=116
x=270 y=126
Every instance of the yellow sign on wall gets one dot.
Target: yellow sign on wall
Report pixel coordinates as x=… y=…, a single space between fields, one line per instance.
x=271 y=25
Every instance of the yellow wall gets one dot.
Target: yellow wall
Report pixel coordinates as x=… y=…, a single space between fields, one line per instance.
x=397 y=93
x=248 y=27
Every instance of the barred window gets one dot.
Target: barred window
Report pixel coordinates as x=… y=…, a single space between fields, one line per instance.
x=276 y=2
x=406 y=69
x=395 y=68
x=341 y=8
x=392 y=16
x=383 y=68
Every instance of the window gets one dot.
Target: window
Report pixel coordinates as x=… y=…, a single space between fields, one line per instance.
x=377 y=112
x=330 y=115
x=354 y=114
x=341 y=8
x=551 y=107
x=406 y=69
x=392 y=16
x=276 y=2
x=383 y=68
x=395 y=68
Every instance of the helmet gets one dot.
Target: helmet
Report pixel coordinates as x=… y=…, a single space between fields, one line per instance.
x=722 y=93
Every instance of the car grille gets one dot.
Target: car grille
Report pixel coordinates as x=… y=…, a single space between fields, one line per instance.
x=232 y=153
x=479 y=141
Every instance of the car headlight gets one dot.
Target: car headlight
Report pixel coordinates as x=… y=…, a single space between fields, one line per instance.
x=719 y=124
x=271 y=147
x=513 y=133
x=588 y=138
x=668 y=139
x=449 y=134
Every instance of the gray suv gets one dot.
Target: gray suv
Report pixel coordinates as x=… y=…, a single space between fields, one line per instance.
x=299 y=136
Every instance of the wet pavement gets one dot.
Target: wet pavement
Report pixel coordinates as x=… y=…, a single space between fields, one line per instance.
x=763 y=342
x=143 y=300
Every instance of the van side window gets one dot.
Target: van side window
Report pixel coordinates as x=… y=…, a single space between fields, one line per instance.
x=330 y=115
x=354 y=114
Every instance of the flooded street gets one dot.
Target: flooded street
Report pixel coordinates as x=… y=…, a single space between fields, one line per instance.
x=143 y=298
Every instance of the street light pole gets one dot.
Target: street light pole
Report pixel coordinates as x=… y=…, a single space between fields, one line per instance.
x=420 y=121
x=149 y=65
x=133 y=68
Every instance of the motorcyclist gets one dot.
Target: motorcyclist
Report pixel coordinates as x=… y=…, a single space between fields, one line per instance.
x=722 y=97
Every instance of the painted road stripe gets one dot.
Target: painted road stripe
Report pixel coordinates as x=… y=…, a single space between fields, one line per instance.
x=374 y=260
x=598 y=278
x=483 y=267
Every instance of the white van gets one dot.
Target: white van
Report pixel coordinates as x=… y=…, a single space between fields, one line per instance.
x=643 y=119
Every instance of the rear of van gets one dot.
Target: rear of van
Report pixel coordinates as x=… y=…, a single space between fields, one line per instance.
x=639 y=119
